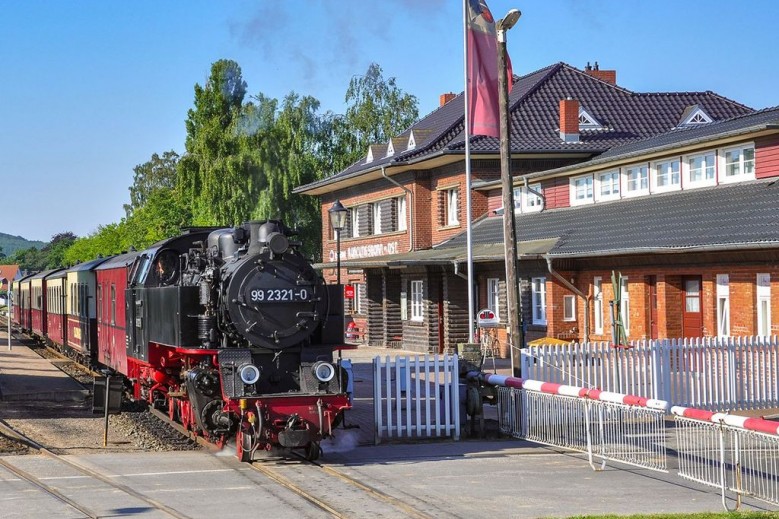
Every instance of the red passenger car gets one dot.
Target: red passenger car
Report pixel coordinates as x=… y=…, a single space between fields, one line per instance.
x=81 y=309
x=38 y=303
x=111 y=276
x=55 y=308
x=20 y=293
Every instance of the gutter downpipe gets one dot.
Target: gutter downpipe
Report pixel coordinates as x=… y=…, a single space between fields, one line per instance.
x=567 y=284
x=410 y=208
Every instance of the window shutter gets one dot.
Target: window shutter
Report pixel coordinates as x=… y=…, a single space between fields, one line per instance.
x=441 y=208
x=388 y=215
x=365 y=215
x=347 y=232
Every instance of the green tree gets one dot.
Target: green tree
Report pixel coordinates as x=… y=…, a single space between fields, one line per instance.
x=157 y=173
x=212 y=174
x=377 y=111
x=55 y=251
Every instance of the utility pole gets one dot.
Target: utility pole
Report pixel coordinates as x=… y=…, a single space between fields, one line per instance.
x=516 y=339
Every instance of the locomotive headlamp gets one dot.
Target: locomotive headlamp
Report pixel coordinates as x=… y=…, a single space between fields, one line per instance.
x=249 y=373
x=323 y=371
x=278 y=243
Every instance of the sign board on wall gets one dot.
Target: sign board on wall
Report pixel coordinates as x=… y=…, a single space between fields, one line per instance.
x=349 y=291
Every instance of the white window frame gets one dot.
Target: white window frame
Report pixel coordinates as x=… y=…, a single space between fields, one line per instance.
x=642 y=178
x=400 y=213
x=417 y=300
x=532 y=203
x=569 y=308
x=688 y=170
x=742 y=164
x=355 y=217
x=763 y=303
x=493 y=296
x=614 y=183
x=597 y=296
x=376 y=217
x=661 y=166
x=582 y=190
x=538 y=291
x=624 y=305
x=452 y=217
x=358 y=299
x=517 y=199
x=723 y=305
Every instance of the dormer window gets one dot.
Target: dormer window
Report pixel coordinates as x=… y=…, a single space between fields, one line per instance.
x=412 y=142
x=375 y=151
x=395 y=144
x=587 y=121
x=694 y=116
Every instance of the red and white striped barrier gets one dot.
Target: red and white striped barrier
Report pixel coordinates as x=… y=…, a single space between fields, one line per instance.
x=574 y=391
x=741 y=422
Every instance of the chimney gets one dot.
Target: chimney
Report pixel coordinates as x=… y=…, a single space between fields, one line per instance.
x=445 y=98
x=569 y=120
x=609 y=76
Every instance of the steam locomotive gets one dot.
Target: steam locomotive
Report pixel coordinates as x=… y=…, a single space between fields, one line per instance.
x=231 y=331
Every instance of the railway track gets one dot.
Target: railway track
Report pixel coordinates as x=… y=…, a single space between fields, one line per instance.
x=337 y=493
x=39 y=472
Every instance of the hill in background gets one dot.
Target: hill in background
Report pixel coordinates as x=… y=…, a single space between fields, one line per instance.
x=10 y=244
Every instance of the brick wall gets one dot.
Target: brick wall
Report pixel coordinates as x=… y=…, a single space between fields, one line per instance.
x=669 y=284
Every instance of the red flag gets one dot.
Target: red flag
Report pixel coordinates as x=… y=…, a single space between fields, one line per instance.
x=482 y=65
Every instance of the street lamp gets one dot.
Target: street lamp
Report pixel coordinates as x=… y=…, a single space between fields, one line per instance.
x=338 y=222
x=513 y=297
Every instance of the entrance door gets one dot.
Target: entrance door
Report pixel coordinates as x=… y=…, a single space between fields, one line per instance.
x=692 y=318
x=651 y=282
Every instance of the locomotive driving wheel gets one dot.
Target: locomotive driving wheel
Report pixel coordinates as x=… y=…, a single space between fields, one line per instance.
x=243 y=445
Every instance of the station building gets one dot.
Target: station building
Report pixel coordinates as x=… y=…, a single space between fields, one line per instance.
x=673 y=191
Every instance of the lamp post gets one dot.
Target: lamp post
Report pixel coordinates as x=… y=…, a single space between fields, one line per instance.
x=513 y=297
x=338 y=221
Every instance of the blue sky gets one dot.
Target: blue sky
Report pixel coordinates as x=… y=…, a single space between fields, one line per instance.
x=90 y=89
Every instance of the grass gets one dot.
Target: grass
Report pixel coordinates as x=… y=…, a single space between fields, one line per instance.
x=706 y=515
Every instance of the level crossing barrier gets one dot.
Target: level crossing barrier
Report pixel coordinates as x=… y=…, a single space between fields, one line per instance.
x=417 y=397
x=733 y=453
x=607 y=425
x=738 y=373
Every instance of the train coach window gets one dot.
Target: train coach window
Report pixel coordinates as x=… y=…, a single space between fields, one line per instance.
x=113 y=304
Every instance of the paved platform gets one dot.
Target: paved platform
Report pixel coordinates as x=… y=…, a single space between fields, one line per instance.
x=26 y=376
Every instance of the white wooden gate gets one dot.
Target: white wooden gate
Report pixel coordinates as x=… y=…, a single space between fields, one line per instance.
x=416 y=397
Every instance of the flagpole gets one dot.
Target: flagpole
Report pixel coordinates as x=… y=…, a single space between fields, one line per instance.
x=468 y=238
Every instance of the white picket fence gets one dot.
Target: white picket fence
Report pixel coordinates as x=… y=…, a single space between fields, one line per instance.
x=707 y=373
x=416 y=397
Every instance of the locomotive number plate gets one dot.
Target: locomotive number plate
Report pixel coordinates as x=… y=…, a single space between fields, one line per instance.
x=279 y=295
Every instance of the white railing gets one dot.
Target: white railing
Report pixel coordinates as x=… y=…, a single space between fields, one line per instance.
x=736 y=454
x=732 y=373
x=416 y=397
x=610 y=426
x=733 y=453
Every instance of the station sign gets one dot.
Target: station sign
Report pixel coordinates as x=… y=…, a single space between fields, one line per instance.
x=348 y=291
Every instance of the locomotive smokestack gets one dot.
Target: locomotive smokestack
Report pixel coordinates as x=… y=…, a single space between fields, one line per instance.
x=254 y=237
